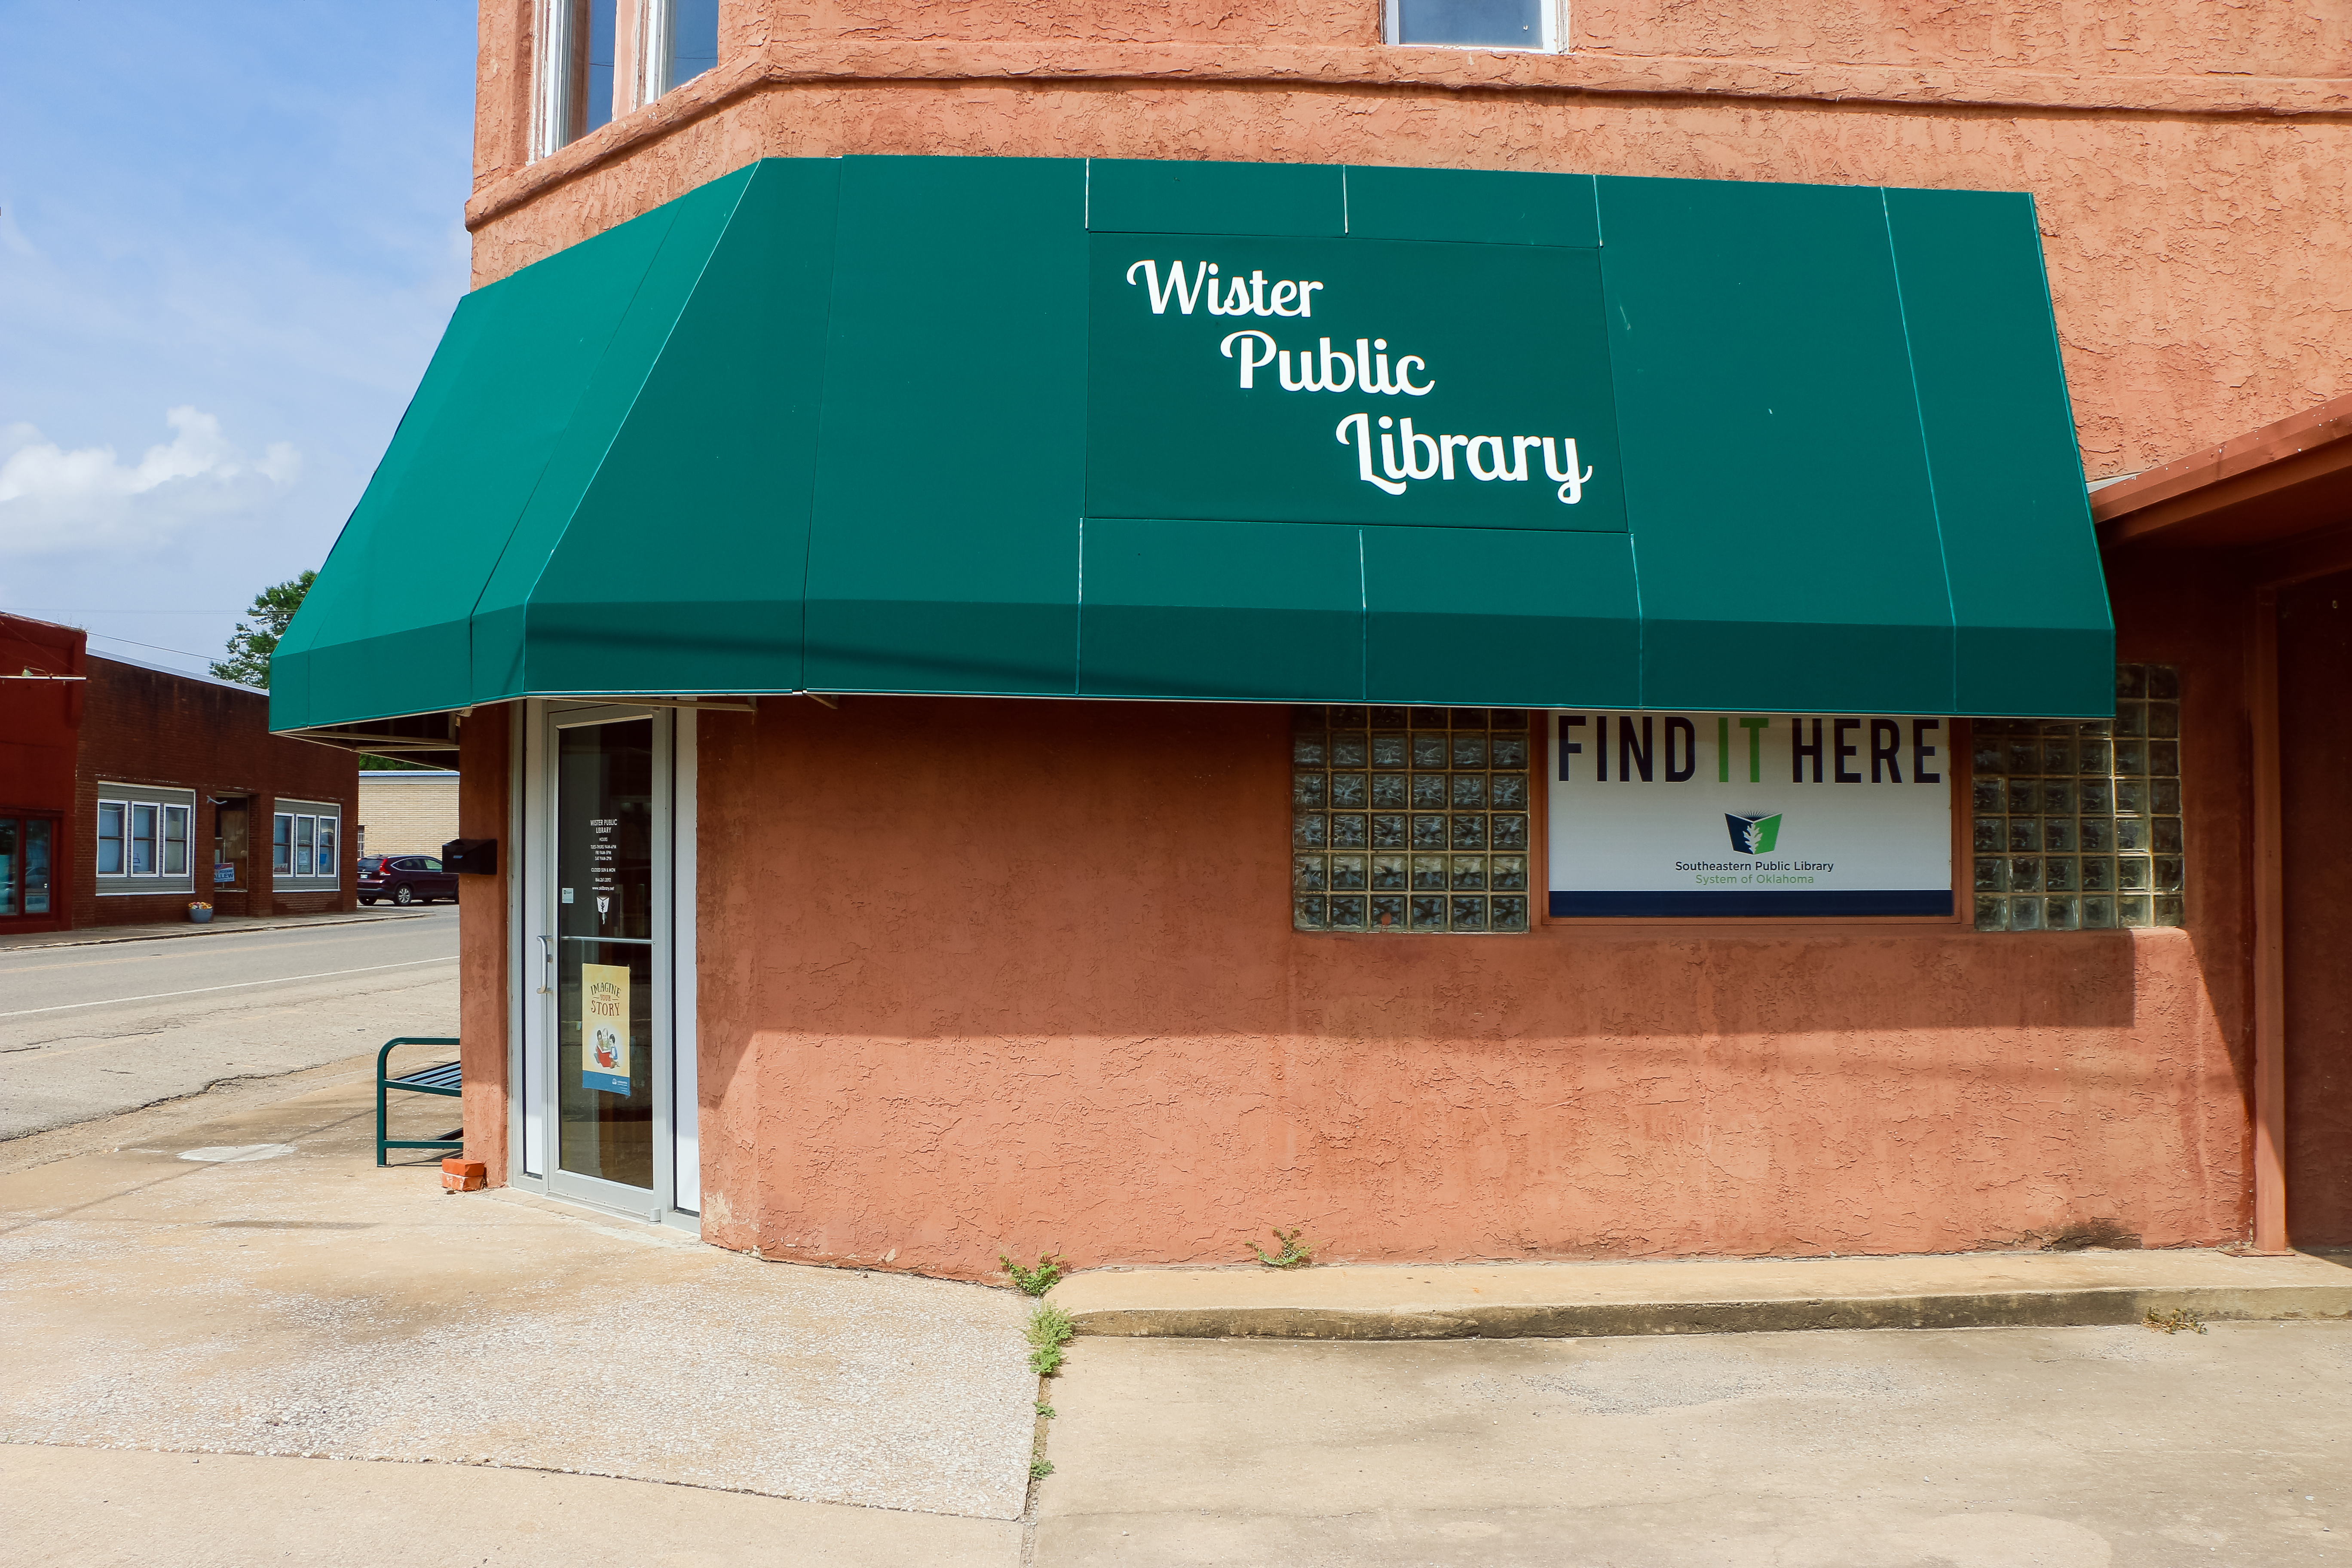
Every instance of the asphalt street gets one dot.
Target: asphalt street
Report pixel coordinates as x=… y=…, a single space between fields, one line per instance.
x=93 y=1031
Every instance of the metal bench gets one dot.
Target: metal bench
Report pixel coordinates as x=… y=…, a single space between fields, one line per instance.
x=447 y=1079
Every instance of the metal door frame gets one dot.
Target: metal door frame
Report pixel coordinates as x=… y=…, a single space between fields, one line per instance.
x=533 y=1106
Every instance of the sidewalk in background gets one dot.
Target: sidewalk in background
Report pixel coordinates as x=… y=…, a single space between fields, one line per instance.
x=218 y=925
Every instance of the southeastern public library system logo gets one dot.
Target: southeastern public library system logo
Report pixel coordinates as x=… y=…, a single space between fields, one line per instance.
x=1753 y=835
x=1366 y=371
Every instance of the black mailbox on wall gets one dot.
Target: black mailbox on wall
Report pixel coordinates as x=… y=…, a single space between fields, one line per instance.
x=471 y=857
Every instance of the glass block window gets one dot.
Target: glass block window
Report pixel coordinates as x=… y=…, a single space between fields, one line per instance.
x=2077 y=827
x=1410 y=819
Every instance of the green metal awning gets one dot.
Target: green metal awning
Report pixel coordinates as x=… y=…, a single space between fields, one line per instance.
x=1061 y=427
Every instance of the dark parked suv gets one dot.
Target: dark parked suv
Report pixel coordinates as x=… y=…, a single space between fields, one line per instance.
x=404 y=880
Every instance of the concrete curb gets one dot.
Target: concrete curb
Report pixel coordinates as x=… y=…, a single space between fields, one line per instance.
x=211 y=928
x=1719 y=1296
x=2031 y=1309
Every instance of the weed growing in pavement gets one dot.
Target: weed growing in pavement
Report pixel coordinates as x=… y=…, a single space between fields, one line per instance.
x=1295 y=1253
x=1041 y=1466
x=1049 y=1329
x=1039 y=1280
x=2175 y=1321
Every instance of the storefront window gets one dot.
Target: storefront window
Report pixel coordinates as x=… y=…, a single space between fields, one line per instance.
x=303 y=843
x=175 y=841
x=142 y=840
x=2078 y=826
x=24 y=866
x=1410 y=819
x=111 y=816
x=36 y=866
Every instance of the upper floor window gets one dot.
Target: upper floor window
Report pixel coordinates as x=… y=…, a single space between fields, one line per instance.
x=601 y=59
x=1477 y=23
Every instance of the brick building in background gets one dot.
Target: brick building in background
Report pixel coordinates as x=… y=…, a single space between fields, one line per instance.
x=128 y=793
x=406 y=811
x=41 y=682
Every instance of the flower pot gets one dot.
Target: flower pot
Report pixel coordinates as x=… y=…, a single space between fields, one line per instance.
x=201 y=913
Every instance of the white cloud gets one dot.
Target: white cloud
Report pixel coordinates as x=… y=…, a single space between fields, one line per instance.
x=53 y=501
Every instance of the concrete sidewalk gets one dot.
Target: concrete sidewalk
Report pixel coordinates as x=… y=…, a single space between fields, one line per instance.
x=1514 y=1301
x=303 y=1303
x=2082 y=1447
x=99 y=1507
x=219 y=925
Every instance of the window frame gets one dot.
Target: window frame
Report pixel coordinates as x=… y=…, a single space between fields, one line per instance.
x=1554 y=13
x=135 y=840
x=643 y=59
x=303 y=821
x=183 y=815
x=52 y=838
x=120 y=839
x=164 y=807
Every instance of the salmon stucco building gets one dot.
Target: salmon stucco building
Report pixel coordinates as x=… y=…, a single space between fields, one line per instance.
x=1499 y=630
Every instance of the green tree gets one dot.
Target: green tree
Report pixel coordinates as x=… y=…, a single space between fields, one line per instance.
x=250 y=645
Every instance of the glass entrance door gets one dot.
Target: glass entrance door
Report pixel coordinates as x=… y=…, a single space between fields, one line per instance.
x=603 y=941
x=604 y=1047
x=25 y=846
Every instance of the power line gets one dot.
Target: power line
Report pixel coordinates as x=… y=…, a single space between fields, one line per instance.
x=183 y=653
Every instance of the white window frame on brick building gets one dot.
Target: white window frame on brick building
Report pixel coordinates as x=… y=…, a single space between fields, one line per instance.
x=303 y=836
x=148 y=829
x=600 y=59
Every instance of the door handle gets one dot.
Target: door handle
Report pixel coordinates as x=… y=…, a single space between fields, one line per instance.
x=546 y=956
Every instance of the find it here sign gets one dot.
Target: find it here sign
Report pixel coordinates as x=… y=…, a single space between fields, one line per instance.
x=1739 y=815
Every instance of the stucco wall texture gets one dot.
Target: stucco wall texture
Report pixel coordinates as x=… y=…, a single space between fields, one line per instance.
x=2187 y=158
x=1014 y=975
x=983 y=976
x=1021 y=975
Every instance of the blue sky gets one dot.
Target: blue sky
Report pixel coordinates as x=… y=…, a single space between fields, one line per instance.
x=230 y=235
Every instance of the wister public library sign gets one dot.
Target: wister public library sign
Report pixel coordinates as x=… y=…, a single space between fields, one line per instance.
x=1350 y=381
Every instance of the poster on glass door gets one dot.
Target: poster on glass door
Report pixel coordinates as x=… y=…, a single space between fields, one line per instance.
x=1750 y=815
x=604 y=1027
